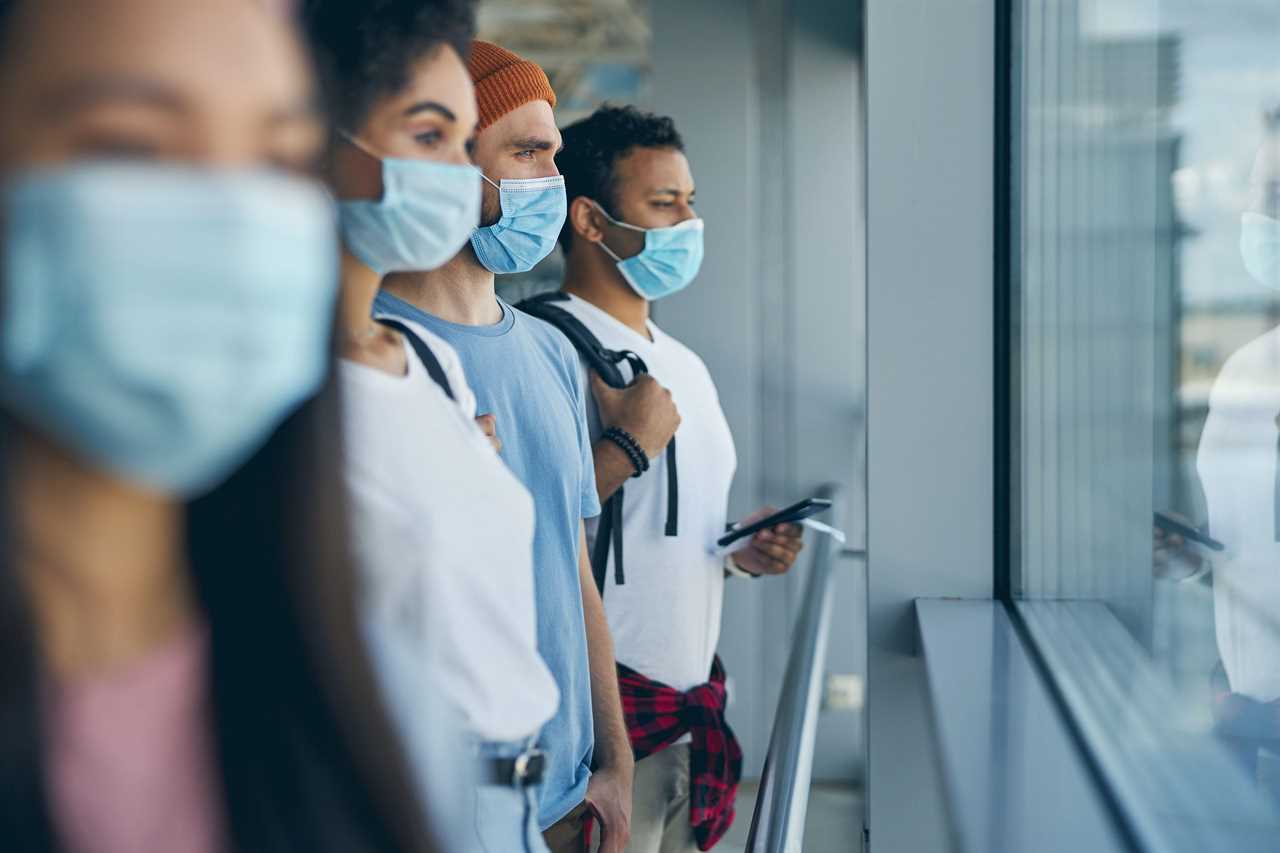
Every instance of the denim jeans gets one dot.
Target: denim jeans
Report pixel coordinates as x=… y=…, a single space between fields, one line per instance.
x=506 y=817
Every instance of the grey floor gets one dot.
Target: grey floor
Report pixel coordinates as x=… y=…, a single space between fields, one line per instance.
x=833 y=823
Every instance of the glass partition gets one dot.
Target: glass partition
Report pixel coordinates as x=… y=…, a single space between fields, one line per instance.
x=1145 y=278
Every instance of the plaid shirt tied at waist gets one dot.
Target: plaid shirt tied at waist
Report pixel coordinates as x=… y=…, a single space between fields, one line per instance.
x=658 y=715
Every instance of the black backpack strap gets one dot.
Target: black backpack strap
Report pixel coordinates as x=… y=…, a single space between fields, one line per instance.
x=599 y=358
x=608 y=534
x=425 y=355
x=673 y=491
x=605 y=363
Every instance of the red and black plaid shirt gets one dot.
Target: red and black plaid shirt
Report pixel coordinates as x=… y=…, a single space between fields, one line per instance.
x=658 y=716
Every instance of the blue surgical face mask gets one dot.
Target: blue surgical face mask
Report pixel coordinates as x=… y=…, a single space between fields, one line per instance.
x=669 y=261
x=161 y=321
x=1260 y=248
x=533 y=212
x=426 y=214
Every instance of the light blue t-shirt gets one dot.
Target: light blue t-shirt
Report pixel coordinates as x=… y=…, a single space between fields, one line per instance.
x=525 y=373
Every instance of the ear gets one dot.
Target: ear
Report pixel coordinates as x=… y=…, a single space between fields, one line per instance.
x=586 y=219
x=353 y=173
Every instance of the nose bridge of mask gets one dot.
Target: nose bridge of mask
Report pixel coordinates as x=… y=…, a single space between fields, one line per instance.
x=673 y=237
x=504 y=186
x=516 y=185
x=694 y=224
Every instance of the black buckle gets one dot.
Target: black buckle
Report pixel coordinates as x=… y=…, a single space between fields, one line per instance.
x=637 y=363
x=528 y=768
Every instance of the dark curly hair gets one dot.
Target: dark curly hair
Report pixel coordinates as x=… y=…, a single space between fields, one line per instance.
x=365 y=48
x=594 y=145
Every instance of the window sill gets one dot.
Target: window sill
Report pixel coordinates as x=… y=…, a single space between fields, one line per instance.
x=1176 y=785
x=1014 y=777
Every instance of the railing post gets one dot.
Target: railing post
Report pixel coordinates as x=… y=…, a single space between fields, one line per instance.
x=777 y=825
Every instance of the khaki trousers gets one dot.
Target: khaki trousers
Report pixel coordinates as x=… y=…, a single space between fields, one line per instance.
x=660 y=804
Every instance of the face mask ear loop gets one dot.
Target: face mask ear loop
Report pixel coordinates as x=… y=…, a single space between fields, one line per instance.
x=618 y=222
x=609 y=252
x=350 y=137
x=601 y=243
x=491 y=183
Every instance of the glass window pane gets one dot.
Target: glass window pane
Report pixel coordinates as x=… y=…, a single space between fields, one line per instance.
x=1146 y=227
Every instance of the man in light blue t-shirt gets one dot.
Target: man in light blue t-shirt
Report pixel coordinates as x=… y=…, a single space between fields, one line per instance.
x=525 y=373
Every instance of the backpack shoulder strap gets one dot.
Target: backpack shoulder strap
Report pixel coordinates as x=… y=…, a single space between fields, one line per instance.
x=604 y=362
x=425 y=355
x=599 y=358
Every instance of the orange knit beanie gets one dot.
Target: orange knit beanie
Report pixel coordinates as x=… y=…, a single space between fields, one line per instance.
x=504 y=81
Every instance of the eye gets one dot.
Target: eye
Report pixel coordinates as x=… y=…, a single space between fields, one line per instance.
x=527 y=154
x=430 y=138
x=662 y=204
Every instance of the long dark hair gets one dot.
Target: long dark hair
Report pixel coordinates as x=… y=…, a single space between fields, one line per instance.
x=308 y=756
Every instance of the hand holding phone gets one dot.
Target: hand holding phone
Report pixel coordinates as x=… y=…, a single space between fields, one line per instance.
x=795 y=513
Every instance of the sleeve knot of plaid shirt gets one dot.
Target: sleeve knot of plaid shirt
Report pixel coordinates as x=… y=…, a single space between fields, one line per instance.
x=658 y=715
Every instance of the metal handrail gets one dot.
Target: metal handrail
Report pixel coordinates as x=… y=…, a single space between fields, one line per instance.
x=777 y=825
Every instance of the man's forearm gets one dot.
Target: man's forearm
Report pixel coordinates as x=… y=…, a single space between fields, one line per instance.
x=613 y=469
x=613 y=744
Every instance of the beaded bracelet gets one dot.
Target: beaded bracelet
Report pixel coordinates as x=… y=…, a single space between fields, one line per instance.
x=631 y=447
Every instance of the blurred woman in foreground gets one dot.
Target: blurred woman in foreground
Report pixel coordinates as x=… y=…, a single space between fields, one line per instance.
x=180 y=665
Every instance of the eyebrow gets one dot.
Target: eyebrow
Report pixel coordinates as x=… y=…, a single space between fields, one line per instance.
x=93 y=91
x=431 y=106
x=534 y=142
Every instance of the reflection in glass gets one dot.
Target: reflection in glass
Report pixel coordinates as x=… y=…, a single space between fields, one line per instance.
x=1147 y=327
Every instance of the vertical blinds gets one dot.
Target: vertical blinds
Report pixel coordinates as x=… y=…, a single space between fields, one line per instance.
x=1095 y=248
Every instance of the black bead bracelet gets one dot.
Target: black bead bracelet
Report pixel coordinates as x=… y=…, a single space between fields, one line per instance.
x=631 y=447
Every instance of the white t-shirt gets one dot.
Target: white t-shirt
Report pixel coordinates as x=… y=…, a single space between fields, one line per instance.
x=665 y=618
x=443 y=534
x=1237 y=467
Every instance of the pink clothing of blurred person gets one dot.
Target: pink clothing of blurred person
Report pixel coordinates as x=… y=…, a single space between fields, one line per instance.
x=130 y=756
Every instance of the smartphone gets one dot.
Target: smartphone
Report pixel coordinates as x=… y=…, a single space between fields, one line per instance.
x=1169 y=524
x=790 y=515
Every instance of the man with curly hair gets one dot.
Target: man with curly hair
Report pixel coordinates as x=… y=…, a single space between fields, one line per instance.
x=631 y=238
